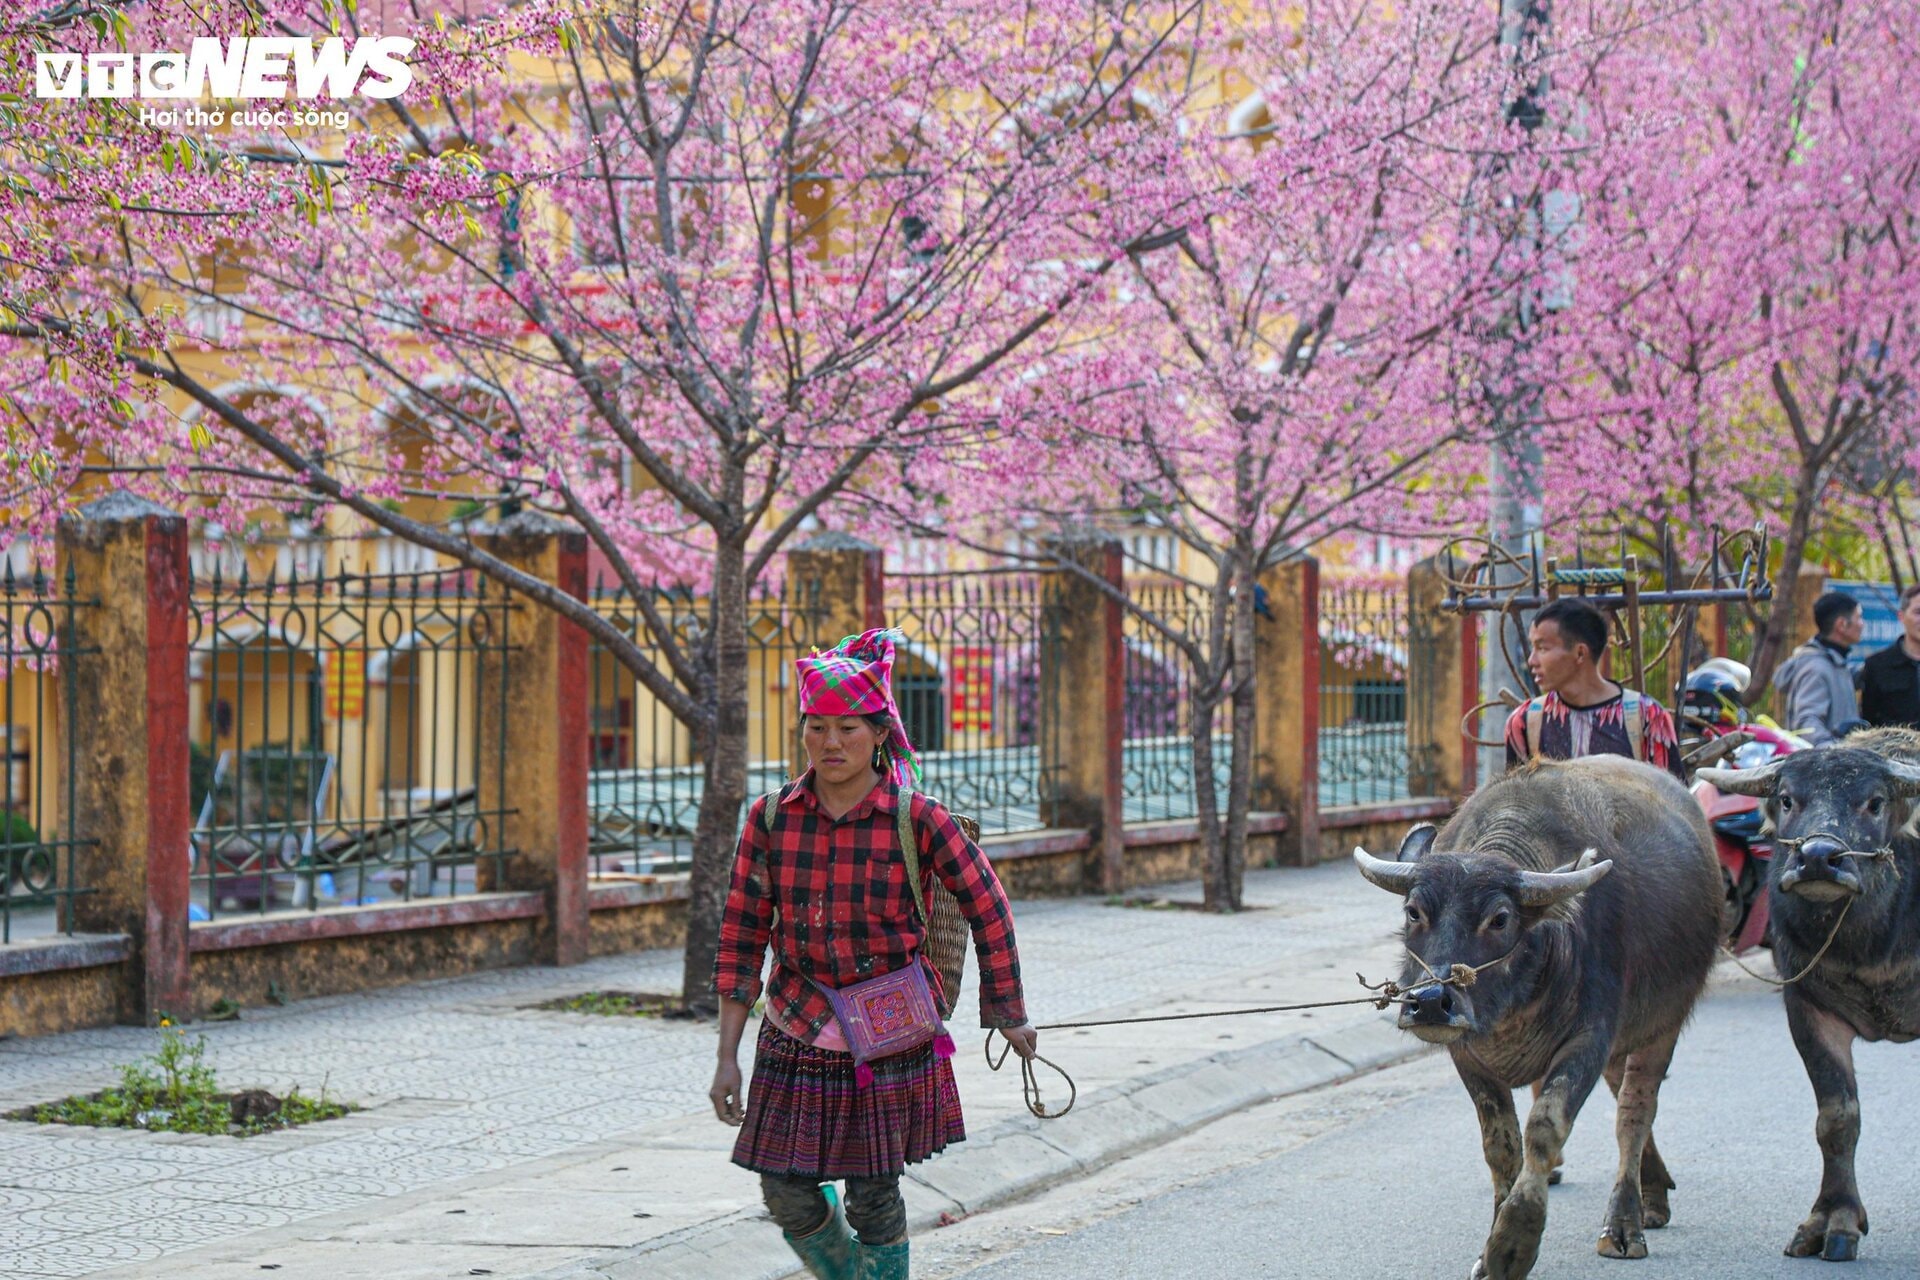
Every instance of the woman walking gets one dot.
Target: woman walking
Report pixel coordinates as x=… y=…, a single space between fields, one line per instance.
x=822 y=874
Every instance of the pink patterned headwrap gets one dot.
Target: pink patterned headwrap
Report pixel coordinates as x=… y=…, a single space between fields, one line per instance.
x=855 y=678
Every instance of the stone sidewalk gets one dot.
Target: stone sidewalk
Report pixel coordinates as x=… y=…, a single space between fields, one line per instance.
x=500 y=1140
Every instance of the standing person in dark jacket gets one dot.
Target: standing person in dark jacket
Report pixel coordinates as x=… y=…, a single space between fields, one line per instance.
x=1815 y=687
x=1890 y=679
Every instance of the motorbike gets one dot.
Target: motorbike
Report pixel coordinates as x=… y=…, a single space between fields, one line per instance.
x=1725 y=733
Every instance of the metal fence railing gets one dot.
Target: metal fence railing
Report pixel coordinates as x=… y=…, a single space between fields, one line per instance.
x=1365 y=658
x=974 y=678
x=1156 y=758
x=334 y=725
x=645 y=781
x=39 y=878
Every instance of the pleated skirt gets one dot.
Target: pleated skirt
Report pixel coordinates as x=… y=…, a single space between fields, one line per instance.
x=806 y=1117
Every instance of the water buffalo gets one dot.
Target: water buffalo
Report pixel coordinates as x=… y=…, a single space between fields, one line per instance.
x=1586 y=895
x=1846 y=820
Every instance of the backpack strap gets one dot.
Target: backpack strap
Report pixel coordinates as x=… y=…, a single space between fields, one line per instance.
x=768 y=804
x=910 y=848
x=1633 y=713
x=1536 y=720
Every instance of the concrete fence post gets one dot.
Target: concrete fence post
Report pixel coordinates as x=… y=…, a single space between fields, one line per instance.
x=539 y=771
x=130 y=728
x=1286 y=661
x=1083 y=671
x=1443 y=683
x=845 y=580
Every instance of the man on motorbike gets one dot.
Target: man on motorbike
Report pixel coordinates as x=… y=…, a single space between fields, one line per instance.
x=1579 y=711
x=1816 y=689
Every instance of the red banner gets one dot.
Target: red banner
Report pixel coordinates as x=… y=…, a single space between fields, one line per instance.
x=970 y=676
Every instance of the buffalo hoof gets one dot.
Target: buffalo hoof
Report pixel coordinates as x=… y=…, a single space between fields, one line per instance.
x=1514 y=1243
x=1553 y=1178
x=1833 y=1235
x=1620 y=1240
x=1479 y=1271
x=1833 y=1246
x=1657 y=1213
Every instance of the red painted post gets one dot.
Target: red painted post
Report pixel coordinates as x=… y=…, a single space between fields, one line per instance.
x=573 y=690
x=1113 y=849
x=169 y=802
x=130 y=739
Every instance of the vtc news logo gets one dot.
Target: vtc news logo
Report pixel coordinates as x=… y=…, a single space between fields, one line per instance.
x=243 y=67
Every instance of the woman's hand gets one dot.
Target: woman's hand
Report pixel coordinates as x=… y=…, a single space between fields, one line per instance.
x=1024 y=1039
x=726 y=1095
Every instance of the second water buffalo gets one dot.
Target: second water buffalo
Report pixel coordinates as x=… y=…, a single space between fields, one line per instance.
x=1559 y=929
x=1844 y=898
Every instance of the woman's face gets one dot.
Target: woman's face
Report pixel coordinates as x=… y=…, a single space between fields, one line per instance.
x=840 y=748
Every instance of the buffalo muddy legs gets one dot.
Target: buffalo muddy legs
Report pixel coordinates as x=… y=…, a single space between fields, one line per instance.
x=1514 y=1243
x=1655 y=1181
x=1838 y=1220
x=1636 y=1083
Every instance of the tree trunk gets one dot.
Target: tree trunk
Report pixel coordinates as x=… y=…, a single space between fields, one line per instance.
x=1216 y=884
x=1776 y=639
x=1240 y=772
x=724 y=746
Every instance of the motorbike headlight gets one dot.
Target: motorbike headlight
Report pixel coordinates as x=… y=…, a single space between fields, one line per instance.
x=1752 y=755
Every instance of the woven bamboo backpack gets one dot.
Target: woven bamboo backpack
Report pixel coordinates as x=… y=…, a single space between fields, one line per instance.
x=948 y=935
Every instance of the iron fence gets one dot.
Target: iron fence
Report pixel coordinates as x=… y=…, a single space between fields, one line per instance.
x=334 y=726
x=974 y=678
x=646 y=781
x=1156 y=757
x=1364 y=667
x=39 y=879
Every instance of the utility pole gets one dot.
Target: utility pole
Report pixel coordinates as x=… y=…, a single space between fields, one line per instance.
x=1514 y=498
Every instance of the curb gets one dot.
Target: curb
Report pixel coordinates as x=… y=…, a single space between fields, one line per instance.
x=1020 y=1157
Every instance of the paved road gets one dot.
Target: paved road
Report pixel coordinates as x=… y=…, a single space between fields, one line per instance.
x=1383 y=1178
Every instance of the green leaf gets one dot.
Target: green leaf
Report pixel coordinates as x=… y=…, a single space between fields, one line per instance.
x=200 y=437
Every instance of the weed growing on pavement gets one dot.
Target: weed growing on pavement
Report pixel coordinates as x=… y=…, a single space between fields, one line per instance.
x=619 y=1004
x=173 y=1090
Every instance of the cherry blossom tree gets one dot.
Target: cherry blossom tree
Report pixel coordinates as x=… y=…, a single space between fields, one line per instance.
x=1745 y=325
x=697 y=270
x=1300 y=364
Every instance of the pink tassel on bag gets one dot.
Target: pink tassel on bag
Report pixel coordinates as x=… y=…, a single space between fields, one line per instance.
x=943 y=1046
x=863 y=1076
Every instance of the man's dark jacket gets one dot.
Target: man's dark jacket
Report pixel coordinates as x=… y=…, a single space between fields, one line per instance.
x=1890 y=688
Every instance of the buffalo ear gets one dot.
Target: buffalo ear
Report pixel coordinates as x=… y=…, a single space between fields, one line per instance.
x=1417 y=843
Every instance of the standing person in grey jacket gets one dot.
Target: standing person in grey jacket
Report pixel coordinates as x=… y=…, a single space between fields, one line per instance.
x=1816 y=689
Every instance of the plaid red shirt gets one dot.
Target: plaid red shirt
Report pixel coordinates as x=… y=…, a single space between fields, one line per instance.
x=845 y=911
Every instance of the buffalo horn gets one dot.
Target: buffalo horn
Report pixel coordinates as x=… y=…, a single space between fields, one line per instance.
x=1394 y=877
x=1544 y=888
x=1745 y=782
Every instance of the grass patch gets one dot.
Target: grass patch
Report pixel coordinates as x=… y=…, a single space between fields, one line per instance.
x=621 y=1004
x=173 y=1090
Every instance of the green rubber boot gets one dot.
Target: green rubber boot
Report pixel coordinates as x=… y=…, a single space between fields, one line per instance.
x=827 y=1251
x=880 y=1261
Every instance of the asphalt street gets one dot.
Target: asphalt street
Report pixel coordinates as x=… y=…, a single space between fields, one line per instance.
x=1382 y=1177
